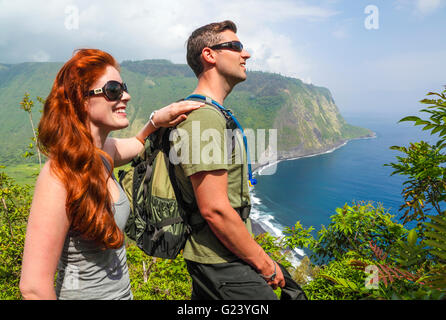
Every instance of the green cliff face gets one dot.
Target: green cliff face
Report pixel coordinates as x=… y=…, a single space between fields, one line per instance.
x=305 y=116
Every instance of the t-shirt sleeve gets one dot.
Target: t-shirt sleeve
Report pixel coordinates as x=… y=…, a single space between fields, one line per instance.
x=200 y=143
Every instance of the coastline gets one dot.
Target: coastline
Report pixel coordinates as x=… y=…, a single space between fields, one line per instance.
x=295 y=154
x=299 y=153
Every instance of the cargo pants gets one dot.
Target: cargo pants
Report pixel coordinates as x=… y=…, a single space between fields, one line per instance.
x=228 y=281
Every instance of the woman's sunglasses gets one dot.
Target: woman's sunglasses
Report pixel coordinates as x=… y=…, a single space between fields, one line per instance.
x=113 y=90
x=232 y=45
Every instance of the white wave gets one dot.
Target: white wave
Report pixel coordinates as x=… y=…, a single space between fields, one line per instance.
x=260 y=214
x=260 y=170
x=267 y=221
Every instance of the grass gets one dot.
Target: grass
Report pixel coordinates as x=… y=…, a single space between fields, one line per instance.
x=24 y=173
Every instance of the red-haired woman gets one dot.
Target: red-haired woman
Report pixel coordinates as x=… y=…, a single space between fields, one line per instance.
x=79 y=210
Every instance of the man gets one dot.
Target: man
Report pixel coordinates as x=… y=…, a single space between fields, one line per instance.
x=222 y=258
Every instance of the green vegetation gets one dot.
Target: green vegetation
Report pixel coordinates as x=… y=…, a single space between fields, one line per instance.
x=15 y=202
x=405 y=264
x=304 y=115
x=363 y=253
x=155 y=278
x=23 y=174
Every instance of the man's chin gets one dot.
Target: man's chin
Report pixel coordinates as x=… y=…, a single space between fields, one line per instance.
x=241 y=78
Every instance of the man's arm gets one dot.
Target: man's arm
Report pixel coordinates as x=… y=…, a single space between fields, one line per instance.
x=210 y=190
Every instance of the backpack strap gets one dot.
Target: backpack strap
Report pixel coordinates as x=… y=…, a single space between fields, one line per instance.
x=193 y=223
x=244 y=211
x=108 y=166
x=245 y=208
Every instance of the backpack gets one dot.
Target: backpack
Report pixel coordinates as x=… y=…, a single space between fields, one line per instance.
x=159 y=222
x=158 y=219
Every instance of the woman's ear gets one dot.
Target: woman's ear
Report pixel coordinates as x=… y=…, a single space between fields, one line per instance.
x=87 y=105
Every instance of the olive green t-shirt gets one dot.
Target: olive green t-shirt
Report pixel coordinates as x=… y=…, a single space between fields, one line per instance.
x=202 y=143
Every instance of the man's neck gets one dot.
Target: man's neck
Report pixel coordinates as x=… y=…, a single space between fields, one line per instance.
x=213 y=88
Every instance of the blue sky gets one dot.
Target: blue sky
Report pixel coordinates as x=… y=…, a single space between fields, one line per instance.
x=382 y=71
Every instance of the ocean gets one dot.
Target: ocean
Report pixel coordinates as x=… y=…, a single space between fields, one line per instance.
x=309 y=189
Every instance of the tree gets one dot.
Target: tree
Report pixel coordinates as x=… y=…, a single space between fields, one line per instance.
x=424 y=163
x=27 y=104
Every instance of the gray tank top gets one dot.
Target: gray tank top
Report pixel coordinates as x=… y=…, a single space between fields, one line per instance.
x=86 y=272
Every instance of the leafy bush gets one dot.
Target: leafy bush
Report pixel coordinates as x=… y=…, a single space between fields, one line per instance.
x=15 y=202
x=338 y=280
x=361 y=238
x=352 y=228
x=157 y=279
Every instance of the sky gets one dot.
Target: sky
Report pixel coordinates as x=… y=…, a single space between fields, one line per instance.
x=376 y=57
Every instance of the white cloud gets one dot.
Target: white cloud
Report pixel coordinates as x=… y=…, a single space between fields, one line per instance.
x=406 y=71
x=278 y=54
x=420 y=7
x=40 y=56
x=342 y=30
x=37 y=30
x=428 y=6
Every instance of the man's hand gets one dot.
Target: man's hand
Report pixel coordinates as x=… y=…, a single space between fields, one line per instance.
x=275 y=278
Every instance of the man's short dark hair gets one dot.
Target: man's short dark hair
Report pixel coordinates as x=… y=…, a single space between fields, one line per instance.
x=205 y=36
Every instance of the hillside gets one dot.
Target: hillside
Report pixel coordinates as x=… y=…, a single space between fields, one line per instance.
x=306 y=116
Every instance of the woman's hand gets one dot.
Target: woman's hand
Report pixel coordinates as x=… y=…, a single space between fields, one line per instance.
x=174 y=113
x=124 y=150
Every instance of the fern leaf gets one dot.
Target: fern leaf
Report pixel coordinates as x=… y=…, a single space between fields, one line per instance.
x=440 y=220
x=329 y=278
x=437 y=236
x=435 y=244
x=410 y=118
x=438 y=227
x=386 y=269
x=358 y=264
x=440 y=254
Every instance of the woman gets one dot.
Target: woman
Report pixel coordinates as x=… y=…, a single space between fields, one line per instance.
x=79 y=210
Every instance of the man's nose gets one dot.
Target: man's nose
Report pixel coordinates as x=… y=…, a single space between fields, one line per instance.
x=246 y=54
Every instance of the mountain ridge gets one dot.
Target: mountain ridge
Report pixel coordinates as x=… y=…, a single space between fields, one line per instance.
x=305 y=116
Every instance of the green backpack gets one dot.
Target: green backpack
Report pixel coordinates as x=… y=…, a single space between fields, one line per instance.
x=158 y=219
x=159 y=222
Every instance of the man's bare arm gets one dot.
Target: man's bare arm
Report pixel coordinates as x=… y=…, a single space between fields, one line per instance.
x=210 y=190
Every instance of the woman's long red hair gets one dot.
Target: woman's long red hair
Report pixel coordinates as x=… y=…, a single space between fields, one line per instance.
x=64 y=136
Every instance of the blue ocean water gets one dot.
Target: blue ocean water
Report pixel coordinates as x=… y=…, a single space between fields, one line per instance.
x=310 y=189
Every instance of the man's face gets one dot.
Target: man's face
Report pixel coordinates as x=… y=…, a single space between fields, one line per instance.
x=230 y=63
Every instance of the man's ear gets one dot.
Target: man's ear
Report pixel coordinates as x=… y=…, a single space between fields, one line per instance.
x=208 y=55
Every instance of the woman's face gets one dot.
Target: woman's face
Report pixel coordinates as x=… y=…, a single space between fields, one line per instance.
x=106 y=115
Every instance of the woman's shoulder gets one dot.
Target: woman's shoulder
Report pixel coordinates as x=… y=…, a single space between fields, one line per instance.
x=48 y=209
x=48 y=179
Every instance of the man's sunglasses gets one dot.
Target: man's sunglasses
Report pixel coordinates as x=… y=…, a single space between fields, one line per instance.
x=113 y=90
x=232 y=45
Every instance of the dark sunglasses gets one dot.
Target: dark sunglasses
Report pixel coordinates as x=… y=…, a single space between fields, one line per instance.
x=232 y=45
x=113 y=90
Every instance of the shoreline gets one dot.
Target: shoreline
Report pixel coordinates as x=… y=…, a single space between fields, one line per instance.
x=257 y=228
x=297 y=153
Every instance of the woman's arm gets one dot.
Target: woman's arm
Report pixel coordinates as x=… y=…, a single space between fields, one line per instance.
x=124 y=150
x=45 y=235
